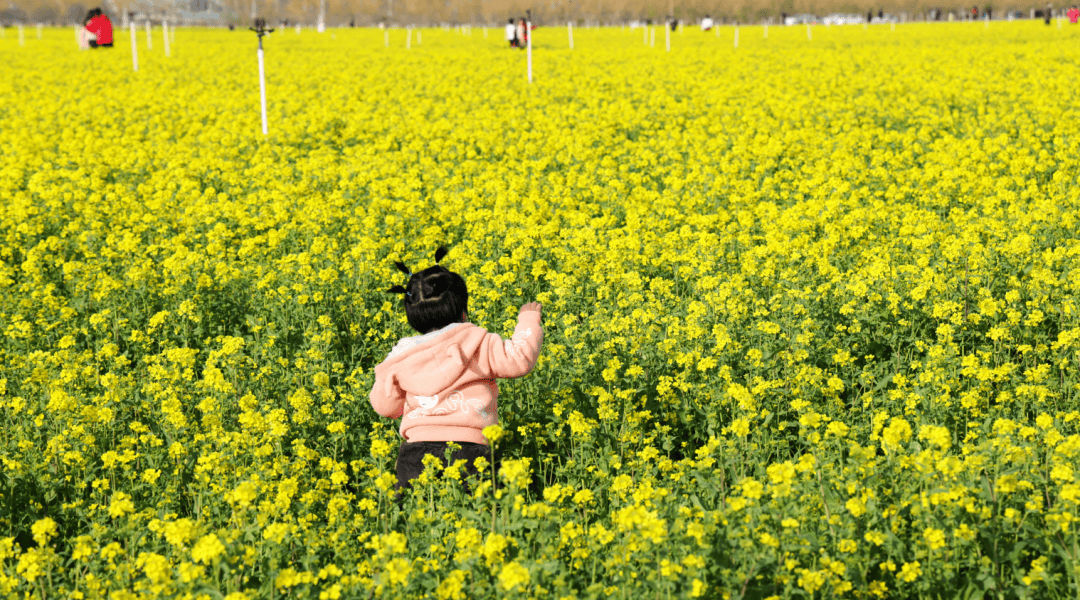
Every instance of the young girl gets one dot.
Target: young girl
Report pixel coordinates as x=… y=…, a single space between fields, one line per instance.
x=441 y=384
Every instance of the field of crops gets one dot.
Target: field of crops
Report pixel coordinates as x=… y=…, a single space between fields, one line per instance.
x=811 y=313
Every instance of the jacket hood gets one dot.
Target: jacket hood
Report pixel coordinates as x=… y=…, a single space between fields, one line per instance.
x=429 y=363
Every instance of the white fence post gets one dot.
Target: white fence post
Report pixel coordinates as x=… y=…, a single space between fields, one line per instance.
x=165 y=36
x=570 y=33
x=134 y=46
x=262 y=88
x=528 y=33
x=149 y=38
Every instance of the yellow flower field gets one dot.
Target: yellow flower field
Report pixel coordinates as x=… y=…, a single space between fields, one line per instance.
x=811 y=313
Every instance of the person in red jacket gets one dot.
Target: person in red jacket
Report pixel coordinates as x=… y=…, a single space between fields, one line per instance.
x=99 y=25
x=1073 y=14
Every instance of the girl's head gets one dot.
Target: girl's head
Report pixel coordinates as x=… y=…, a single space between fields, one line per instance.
x=434 y=297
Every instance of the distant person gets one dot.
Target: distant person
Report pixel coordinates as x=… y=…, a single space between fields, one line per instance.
x=511 y=33
x=1049 y=10
x=869 y=16
x=99 y=29
x=523 y=34
x=1073 y=14
x=706 y=23
x=988 y=12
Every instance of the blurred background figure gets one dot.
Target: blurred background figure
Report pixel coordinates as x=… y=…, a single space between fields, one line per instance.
x=706 y=23
x=523 y=33
x=1073 y=14
x=1049 y=11
x=511 y=33
x=98 y=32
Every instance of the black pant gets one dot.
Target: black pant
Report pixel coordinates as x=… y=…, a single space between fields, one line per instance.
x=410 y=460
x=94 y=44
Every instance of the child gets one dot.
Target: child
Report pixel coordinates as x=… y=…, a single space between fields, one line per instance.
x=441 y=384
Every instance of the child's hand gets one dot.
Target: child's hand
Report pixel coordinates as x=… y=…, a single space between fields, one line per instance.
x=530 y=307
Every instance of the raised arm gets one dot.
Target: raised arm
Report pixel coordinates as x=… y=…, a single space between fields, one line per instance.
x=516 y=356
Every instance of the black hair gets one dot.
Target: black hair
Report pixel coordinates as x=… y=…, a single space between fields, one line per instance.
x=94 y=12
x=434 y=297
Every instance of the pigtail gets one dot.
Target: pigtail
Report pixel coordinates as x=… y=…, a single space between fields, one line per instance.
x=399 y=289
x=440 y=254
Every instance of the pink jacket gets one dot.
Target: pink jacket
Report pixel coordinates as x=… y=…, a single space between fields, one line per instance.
x=442 y=384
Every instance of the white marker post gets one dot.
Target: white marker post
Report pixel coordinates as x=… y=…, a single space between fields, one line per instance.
x=766 y=31
x=570 y=33
x=667 y=36
x=736 y=36
x=149 y=38
x=809 y=36
x=386 y=38
x=134 y=47
x=297 y=29
x=528 y=38
x=261 y=30
x=408 y=38
x=39 y=28
x=22 y=40
x=165 y=36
